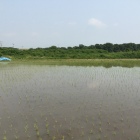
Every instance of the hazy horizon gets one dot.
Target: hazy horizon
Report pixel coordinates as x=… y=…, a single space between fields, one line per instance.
x=44 y=23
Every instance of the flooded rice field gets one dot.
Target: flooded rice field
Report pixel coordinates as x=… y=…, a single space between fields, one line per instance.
x=69 y=103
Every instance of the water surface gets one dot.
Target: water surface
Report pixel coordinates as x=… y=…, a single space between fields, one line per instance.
x=69 y=102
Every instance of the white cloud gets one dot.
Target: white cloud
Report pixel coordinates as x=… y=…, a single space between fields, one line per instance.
x=95 y=22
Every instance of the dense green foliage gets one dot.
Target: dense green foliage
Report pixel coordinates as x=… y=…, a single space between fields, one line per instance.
x=108 y=50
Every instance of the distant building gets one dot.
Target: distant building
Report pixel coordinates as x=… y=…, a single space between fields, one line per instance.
x=5 y=59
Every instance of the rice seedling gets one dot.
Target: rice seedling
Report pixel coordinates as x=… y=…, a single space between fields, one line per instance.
x=4 y=137
x=37 y=133
x=100 y=130
x=91 y=131
x=48 y=132
x=63 y=138
x=53 y=138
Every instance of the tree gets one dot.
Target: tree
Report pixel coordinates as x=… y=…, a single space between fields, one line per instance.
x=81 y=46
x=53 y=47
x=116 y=48
x=108 y=47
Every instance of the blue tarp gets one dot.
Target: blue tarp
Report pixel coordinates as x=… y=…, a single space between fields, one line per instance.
x=5 y=59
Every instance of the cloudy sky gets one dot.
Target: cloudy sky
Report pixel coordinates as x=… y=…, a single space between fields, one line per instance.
x=43 y=23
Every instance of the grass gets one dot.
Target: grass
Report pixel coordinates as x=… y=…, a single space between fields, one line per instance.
x=81 y=62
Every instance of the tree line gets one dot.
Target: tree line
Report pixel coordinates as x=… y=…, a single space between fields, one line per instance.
x=107 y=50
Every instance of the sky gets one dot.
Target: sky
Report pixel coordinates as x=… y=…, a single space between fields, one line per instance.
x=63 y=23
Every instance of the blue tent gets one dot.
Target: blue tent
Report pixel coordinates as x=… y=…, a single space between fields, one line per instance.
x=5 y=59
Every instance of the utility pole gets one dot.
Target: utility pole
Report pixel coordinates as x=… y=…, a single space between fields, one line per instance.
x=0 y=43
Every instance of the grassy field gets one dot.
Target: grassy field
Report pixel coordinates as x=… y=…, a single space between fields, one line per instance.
x=81 y=62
